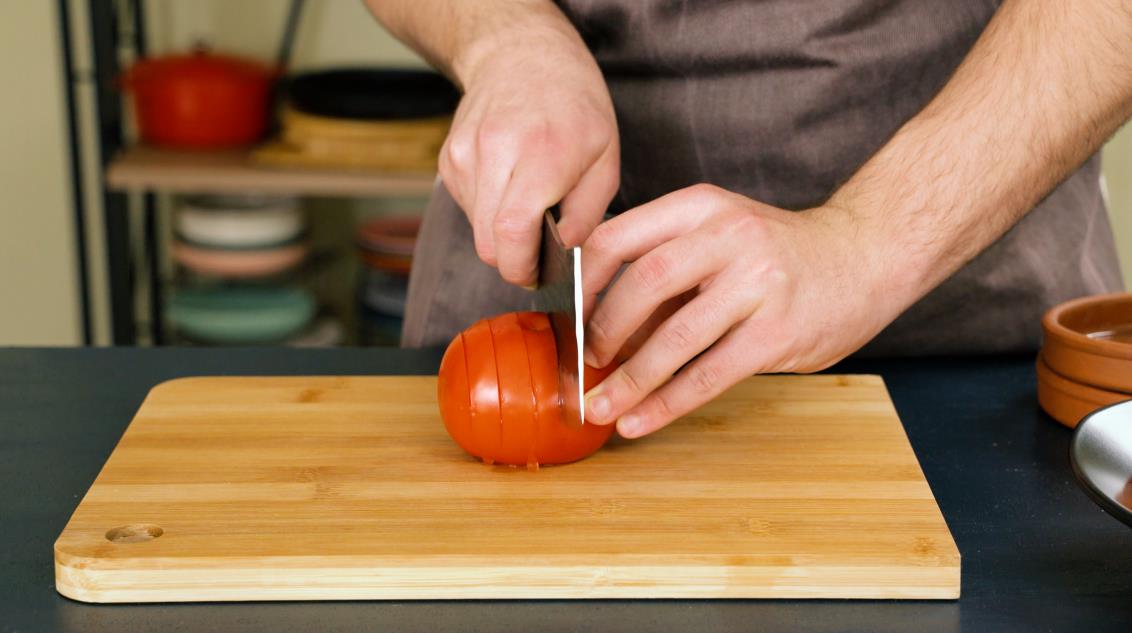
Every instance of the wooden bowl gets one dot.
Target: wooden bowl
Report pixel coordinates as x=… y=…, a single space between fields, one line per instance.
x=1089 y=341
x=1067 y=401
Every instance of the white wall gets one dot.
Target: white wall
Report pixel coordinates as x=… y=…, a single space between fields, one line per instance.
x=331 y=32
x=39 y=296
x=1118 y=175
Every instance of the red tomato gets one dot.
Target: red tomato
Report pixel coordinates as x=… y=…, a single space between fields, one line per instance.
x=499 y=396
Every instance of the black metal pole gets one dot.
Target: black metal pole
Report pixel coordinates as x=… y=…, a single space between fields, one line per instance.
x=151 y=223
x=77 y=190
x=115 y=206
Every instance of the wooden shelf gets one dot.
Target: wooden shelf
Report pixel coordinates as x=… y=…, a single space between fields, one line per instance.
x=149 y=169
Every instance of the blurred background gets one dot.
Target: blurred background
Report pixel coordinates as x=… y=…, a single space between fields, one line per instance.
x=128 y=222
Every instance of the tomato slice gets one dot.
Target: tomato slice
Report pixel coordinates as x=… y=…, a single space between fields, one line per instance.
x=483 y=387
x=453 y=395
x=542 y=360
x=516 y=394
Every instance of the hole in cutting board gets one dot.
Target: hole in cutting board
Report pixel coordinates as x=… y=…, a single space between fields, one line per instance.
x=134 y=533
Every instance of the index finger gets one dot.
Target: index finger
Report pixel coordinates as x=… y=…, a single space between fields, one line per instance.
x=536 y=184
x=627 y=237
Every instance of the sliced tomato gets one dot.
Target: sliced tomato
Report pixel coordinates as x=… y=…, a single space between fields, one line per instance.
x=453 y=394
x=486 y=428
x=503 y=403
x=543 y=360
x=516 y=394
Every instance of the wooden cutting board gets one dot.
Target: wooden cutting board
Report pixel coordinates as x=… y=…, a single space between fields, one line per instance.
x=324 y=488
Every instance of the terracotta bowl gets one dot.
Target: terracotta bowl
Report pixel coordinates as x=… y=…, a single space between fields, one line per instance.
x=391 y=235
x=239 y=264
x=395 y=264
x=1067 y=401
x=1089 y=341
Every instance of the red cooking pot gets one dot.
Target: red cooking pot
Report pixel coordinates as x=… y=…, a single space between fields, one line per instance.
x=200 y=100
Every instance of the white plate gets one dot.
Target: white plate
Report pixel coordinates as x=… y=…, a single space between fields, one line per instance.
x=228 y=222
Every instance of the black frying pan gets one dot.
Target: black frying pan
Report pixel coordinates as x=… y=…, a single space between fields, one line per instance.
x=372 y=93
x=361 y=93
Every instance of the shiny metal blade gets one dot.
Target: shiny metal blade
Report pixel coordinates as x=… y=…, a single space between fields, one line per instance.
x=560 y=295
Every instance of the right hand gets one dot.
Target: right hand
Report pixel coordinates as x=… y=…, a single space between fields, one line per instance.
x=536 y=127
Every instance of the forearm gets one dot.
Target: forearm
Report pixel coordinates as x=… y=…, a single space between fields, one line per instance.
x=455 y=35
x=1045 y=85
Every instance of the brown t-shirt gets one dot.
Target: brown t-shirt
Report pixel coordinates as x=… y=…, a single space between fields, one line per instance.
x=782 y=101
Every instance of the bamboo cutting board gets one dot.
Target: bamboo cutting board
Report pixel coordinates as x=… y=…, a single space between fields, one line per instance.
x=328 y=488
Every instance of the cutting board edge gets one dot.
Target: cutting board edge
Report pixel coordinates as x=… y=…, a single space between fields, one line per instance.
x=109 y=587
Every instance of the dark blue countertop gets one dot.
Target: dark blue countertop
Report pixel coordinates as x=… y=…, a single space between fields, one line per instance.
x=1037 y=554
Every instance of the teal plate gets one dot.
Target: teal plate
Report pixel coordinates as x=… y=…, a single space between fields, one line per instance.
x=241 y=315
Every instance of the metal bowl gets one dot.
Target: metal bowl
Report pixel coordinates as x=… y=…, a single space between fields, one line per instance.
x=1101 y=454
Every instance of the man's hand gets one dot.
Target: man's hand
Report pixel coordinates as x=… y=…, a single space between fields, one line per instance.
x=535 y=127
x=762 y=290
x=1042 y=89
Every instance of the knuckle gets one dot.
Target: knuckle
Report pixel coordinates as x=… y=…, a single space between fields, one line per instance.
x=603 y=239
x=538 y=136
x=458 y=151
x=703 y=378
x=485 y=250
x=513 y=274
x=750 y=226
x=510 y=226
x=677 y=335
x=702 y=195
x=651 y=272
x=598 y=329
x=719 y=305
x=663 y=406
x=493 y=134
x=597 y=133
x=629 y=378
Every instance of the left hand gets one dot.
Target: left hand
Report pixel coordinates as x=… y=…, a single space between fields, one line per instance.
x=720 y=287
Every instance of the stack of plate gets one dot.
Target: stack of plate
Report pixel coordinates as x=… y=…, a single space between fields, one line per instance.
x=1086 y=358
x=239 y=237
x=241 y=315
x=386 y=249
x=238 y=246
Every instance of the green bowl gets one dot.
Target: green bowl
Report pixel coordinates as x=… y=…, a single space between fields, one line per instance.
x=241 y=315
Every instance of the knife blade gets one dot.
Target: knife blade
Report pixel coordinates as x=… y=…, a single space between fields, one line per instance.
x=559 y=294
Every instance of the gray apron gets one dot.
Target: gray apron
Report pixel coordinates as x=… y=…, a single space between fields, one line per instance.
x=781 y=101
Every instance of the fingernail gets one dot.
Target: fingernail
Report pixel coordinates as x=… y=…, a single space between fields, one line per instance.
x=597 y=408
x=531 y=287
x=629 y=426
x=588 y=356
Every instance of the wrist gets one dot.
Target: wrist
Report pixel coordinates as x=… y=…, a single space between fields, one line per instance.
x=885 y=279
x=537 y=34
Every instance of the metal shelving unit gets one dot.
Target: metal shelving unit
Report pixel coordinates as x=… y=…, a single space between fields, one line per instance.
x=157 y=170
x=117 y=33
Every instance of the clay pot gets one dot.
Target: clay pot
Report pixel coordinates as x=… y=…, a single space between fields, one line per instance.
x=1089 y=341
x=1067 y=401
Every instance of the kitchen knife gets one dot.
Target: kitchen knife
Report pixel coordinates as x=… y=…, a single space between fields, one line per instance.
x=559 y=294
